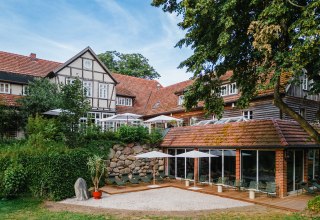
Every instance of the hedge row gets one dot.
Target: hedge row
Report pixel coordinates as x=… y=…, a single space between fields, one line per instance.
x=50 y=175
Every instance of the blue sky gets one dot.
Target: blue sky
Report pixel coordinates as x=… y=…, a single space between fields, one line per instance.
x=57 y=30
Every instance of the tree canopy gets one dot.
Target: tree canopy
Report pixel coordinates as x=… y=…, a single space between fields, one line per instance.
x=133 y=64
x=259 y=41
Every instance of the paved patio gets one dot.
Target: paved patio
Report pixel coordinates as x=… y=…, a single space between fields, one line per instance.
x=161 y=199
x=292 y=203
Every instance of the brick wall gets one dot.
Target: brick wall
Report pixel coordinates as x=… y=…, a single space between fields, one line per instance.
x=281 y=173
x=238 y=168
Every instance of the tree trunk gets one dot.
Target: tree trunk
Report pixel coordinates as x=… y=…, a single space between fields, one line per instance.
x=298 y=118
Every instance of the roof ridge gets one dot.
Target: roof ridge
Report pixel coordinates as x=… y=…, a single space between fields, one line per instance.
x=278 y=130
x=149 y=80
x=26 y=56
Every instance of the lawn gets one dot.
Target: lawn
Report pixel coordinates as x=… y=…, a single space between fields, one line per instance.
x=27 y=208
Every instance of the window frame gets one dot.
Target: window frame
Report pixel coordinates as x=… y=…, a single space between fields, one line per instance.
x=249 y=114
x=226 y=90
x=105 y=89
x=87 y=92
x=180 y=100
x=4 y=88
x=231 y=85
x=87 y=67
x=24 y=90
x=123 y=101
x=305 y=82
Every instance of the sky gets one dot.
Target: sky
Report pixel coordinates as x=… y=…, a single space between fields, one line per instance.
x=57 y=30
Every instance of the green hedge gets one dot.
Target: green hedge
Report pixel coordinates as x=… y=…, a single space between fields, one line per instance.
x=50 y=175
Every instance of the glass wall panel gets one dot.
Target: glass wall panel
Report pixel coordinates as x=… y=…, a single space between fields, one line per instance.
x=290 y=170
x=311 y=154
x=298 y=166
x=230 y=164
x=204 y=166
x=266 y=166
x=316 y=165
x=189 y=165
x=249 y=166
x=216 y=165
x=180 y=164
x=172 y=163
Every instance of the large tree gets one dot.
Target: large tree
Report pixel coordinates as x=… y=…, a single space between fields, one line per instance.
x=260 y=41
x=133 y=64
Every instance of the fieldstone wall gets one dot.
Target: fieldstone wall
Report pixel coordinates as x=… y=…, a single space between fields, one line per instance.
x=121 y=160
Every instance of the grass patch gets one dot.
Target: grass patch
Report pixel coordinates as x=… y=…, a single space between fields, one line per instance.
x=28 y=208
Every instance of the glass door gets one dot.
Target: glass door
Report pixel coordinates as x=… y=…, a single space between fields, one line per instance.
x=294 y=169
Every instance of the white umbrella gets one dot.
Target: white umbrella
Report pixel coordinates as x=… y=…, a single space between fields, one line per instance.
x=56 y=112
x=162 y=119
x=153 y=154
x=122 y=117
x=195 y=154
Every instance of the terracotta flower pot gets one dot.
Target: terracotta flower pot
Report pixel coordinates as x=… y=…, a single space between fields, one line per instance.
x=96 y=195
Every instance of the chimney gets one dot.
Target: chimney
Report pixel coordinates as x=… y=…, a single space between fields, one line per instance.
x=33 y=56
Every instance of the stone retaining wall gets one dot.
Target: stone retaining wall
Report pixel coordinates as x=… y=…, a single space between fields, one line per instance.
x=122 y=161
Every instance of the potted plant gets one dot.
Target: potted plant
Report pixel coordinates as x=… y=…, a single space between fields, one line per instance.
x=97 y=167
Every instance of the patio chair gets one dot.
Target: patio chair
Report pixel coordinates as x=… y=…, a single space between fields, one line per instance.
x=252 y=185
x=136 y=176
x=133 y=180
x=119 y=182
x=145 y=179
x=271 y=189
x=315 y=184
x=158 y=178
x=304 y=186
x=203 y=178
x=111 y=179
x=125 y=178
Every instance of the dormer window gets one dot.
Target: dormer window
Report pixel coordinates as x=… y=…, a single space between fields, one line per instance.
x=233 y=89
x=180 y=99
x=124 y=101
x=4 y=88
x=156 y=105
x=87 y=64
x=224 y=90
x=305 y=83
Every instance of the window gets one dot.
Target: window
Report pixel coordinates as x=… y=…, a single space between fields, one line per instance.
x=70 y=81
x=4 y=88
x=124 y=101
x=87 y=64
x=87 y=86
x=93 y=117
x=224 y=90
x=180 y=99
x=103 y=90
x=305 y=82
x=248 y=114
x=24 y=89
x=302 y=112
x=233 y=89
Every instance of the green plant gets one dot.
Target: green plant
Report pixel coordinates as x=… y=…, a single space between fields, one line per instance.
x=97 y=167
x=314 y=204
x=130 y=134
x=155 y=137
x=13 y=180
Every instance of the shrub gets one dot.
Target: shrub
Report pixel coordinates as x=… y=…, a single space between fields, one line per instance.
x=314 y=204
x=42 y=130
x=13 y=180
x=129 y=134
x=50 y=174
x=155 y=137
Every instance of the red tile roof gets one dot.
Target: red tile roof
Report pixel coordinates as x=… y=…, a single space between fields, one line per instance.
x=165 y=99
x=139 y=88
x=26 y=65
x=254 y=133
x=9 y=100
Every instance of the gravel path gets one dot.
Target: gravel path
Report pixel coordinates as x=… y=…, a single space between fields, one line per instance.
x=164 y=199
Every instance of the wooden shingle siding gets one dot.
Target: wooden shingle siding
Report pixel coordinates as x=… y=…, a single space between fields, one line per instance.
x=262 y=109
x=311 y=107
x=297 y=91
